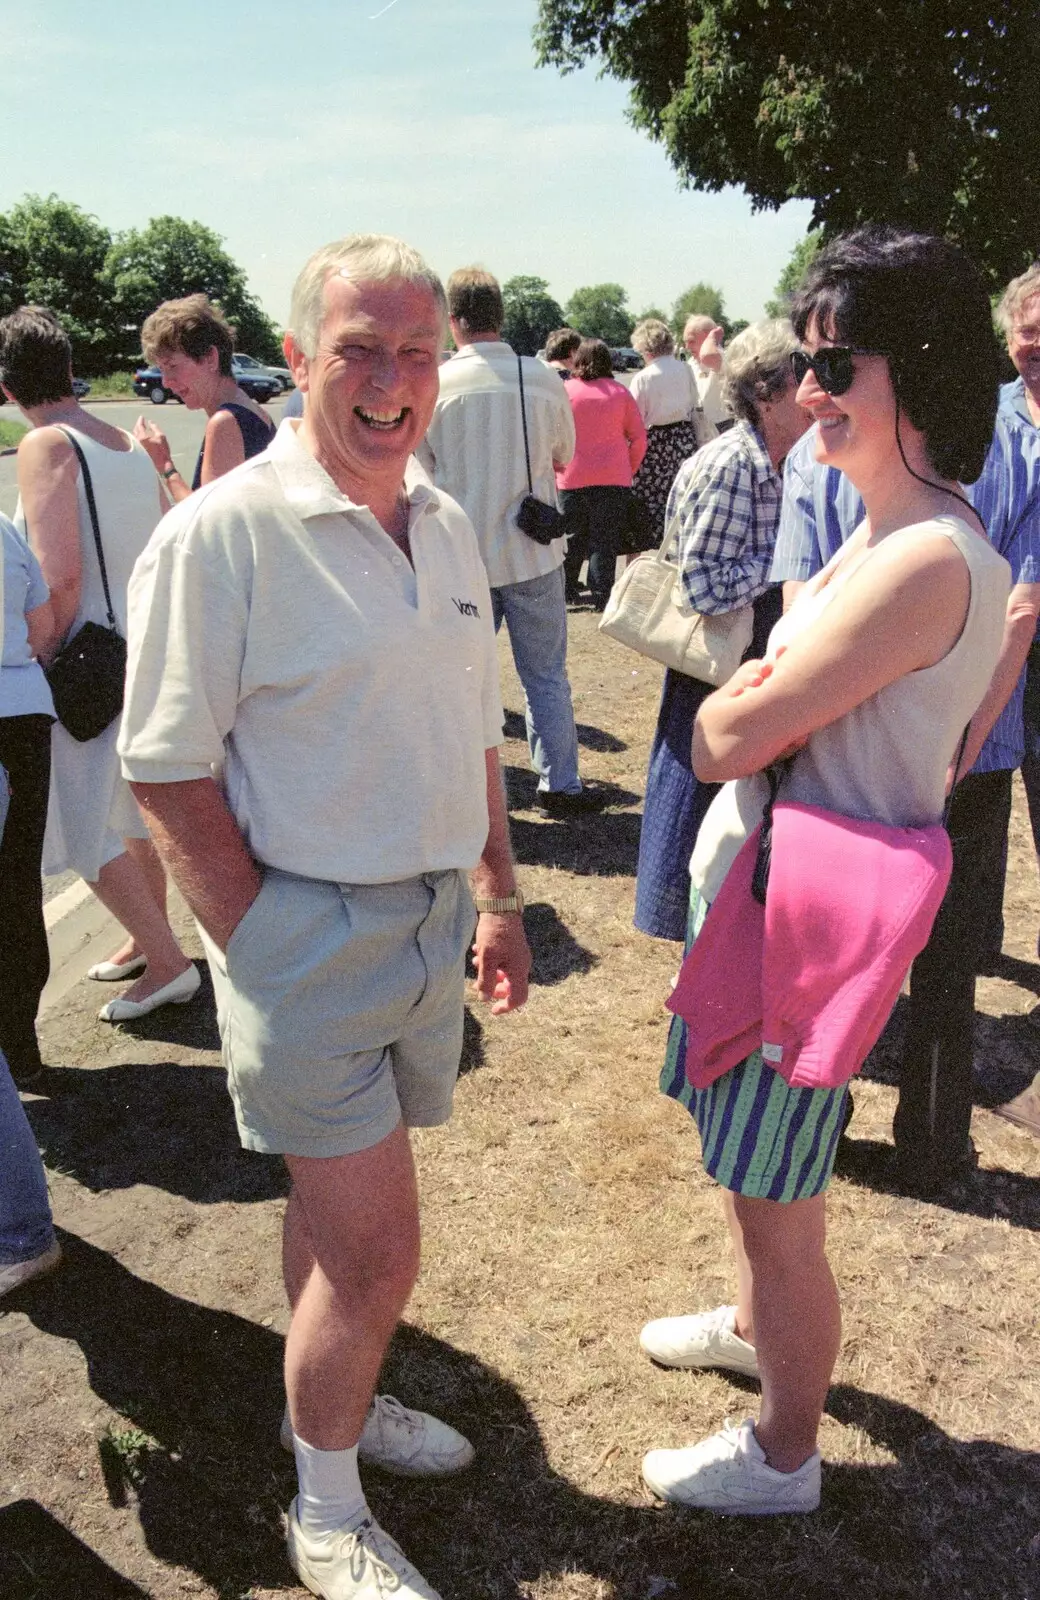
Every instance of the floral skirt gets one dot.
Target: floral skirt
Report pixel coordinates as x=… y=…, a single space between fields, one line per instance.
x=667 y=447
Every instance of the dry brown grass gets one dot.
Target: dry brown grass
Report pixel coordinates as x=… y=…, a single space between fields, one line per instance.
x=563 y=1206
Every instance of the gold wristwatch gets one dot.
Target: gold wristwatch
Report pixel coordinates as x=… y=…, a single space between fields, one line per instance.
x=500 y=905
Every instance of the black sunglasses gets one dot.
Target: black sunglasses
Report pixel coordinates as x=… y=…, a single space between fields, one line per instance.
x=832 y=365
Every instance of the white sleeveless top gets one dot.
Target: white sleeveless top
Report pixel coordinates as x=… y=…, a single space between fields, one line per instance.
x=887 y=759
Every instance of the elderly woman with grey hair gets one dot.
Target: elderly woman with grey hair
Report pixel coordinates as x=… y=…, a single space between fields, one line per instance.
x=725 y=505
x=666 y=393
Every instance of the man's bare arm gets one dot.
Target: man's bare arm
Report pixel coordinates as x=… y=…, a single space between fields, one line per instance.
x=1023 y=608
x=500 y=948
x=203 y=850
x=792 y=589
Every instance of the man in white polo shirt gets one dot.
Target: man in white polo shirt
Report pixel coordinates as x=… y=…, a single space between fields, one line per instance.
x=318 y=625
x=703 y=337
x=474 y=449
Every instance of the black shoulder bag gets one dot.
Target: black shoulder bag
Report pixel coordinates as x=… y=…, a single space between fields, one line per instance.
x=541 y=522
x=88 y=675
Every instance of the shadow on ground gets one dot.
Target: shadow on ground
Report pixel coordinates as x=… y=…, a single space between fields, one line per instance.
x=40 y=1559
x=163 y=1124
x=590 y=738
x=557 y=953
x=604 y=844
x=210 y=1481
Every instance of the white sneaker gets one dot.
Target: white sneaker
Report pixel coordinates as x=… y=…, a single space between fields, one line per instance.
x=361 y=1563
x=410 y=1443
x=728 y=1473
x=709 y=1339
x=19 y=1272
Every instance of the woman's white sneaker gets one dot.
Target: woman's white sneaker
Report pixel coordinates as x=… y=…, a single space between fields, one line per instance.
x=729 y=1474
x=709 y=1339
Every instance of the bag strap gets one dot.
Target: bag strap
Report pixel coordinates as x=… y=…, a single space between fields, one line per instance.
x=956 y=775
x=523 y=419
x=88 y=489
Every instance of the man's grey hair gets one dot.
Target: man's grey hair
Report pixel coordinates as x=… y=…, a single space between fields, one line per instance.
x=757 y=366
x=375 y=257
x=1018 y=291
x=652 y=338
x=698 y=322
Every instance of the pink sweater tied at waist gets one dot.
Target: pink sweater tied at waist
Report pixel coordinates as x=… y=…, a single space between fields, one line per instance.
x=813 y=975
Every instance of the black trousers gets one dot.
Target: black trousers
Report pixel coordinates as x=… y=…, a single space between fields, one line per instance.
x=933 y=1117
x=595 y=519
x=25 y=752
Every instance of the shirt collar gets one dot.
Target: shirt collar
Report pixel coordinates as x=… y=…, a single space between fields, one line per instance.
x=761 y=465
x=485 y=347
x=310 y=491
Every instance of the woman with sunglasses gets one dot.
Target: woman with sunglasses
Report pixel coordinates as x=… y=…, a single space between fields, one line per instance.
x=864 y=692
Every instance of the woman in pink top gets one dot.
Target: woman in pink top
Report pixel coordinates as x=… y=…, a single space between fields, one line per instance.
x=595 y=486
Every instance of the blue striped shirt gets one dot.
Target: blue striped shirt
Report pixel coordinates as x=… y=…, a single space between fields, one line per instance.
x=821 y=508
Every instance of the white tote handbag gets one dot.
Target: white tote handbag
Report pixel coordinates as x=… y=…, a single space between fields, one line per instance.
x=646 y=611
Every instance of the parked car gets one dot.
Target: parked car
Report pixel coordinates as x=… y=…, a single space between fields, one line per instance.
x=80 y=388
x=282 y=375
x=625 y=359
x=259 y=386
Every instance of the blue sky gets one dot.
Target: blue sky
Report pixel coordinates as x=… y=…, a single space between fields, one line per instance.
x=283 y=126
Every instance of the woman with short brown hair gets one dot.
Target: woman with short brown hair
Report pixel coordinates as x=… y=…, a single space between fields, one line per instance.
x=191 y=342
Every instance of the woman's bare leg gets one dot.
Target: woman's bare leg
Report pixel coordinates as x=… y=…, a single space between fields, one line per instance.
x=145 y=854
x=745 y=1321
x=124 y=889
x=796 y=1320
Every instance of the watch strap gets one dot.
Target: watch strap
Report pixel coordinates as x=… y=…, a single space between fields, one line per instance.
x=500 y=905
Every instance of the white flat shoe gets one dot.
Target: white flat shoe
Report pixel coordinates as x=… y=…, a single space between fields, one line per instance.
x=183 y=987
x=116 y=971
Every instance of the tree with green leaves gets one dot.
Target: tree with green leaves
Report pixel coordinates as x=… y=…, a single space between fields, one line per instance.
x=793 y=275
x=171 y=258
x=531 y=314
x=52 y=254
x=700 y=299
x=919 y=115
x=600 y=312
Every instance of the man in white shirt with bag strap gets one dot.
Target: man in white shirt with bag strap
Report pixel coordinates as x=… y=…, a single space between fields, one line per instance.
x=474 y=449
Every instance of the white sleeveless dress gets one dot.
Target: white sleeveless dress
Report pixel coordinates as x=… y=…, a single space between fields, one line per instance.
x=91 y=809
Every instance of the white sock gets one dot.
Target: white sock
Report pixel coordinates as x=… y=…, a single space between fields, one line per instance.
x=331 y=1496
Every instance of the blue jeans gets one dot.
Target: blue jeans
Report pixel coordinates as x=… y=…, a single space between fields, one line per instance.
x=26 y=1228
x=536 y=615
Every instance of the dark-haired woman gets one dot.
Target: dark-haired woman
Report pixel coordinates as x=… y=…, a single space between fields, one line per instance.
x=867 y=684
x=192 y=344
x=595 y=485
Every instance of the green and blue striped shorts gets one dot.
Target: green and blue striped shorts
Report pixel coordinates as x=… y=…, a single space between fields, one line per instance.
x=760 y=1137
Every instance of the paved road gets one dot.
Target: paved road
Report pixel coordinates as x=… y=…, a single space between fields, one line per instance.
x=183 y=429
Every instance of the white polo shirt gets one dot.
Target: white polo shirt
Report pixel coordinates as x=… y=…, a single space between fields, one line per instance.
x=276 y=630
x=474 y=449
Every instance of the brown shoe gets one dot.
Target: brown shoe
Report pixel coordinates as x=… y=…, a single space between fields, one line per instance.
x=1024 y=1109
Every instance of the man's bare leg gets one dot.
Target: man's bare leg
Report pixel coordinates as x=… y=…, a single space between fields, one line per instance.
x=350 y=1260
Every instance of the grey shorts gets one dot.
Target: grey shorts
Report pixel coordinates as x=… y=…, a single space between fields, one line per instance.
x=340 y=1010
